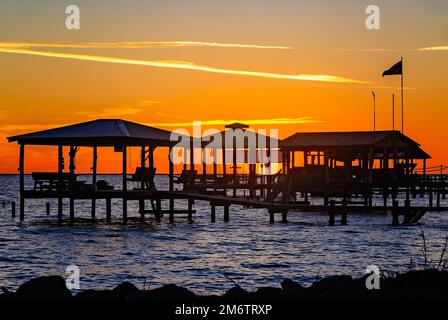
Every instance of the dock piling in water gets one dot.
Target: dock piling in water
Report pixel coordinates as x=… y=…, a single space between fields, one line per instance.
x=13 y=209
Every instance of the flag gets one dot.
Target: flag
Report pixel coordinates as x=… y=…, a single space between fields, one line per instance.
x=395 y=69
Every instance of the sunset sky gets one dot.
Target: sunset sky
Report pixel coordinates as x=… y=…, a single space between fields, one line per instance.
x=312 y=64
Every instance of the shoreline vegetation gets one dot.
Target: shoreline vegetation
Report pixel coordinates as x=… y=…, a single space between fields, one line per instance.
x=428 y=284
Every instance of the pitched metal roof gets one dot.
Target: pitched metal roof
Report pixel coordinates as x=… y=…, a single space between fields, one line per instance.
x=341 y=139
x=229 y=133
x=105 y=132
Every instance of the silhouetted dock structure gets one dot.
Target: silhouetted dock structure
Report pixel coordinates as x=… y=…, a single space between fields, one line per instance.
x=344 y=170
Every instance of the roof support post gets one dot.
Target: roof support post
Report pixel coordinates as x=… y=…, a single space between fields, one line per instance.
x=60 y=169
x=22 y=181
x=125 y=204
x=141 y=203
x=94 y=171
x=71 y=184
x=171 y=183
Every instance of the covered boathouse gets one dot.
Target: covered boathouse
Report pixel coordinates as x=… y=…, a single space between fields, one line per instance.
x=351 y=163
x=108 y=133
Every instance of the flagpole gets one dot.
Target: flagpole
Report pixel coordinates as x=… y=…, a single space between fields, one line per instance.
x=374 y=111
x=393 y=111
x=402 y=96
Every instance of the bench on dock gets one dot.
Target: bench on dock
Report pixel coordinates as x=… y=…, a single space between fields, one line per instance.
x=187 y=178
x=52 y=181
x=146 y=176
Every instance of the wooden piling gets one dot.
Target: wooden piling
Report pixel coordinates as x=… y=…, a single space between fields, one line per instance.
x=3 y=203
x=60 y=169
x=190 y=210
x=22 y=182
x=125 y=187
x=344 y=218
x=285 y=216
x=271 y=217
x=226 y=213
x=108 y=210
x=331 y=213
x=94 y=176
x=13 y=209
x=142 y=210
x=72 y=209
x=213 y=213
x=47 y=205
x=430 y=197
x=395 y=220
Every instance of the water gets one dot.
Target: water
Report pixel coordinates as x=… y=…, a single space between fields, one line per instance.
x=247 y=249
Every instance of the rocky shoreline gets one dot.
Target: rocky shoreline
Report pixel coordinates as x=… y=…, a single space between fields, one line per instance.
x=423 y=284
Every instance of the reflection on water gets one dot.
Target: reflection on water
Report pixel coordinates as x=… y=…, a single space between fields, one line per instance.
x=247 y=249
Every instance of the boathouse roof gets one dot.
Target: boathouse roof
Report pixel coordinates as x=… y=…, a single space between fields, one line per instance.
x=101 y=132
x=354 y=140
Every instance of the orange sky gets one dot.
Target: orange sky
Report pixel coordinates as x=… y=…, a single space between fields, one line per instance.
x=43 y=86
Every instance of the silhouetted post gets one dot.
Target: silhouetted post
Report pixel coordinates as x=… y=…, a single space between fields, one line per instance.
x=331 y=213
x=13 y=209
x=141 y=202
x=71 y=185
x=213 y=212
x=285 y=216
x=344 y=212
x=190 y=210
x=158 y=210
x=438 y=197
x=224 y=166
x=3 y=203
x=22 y=182
x=171 y=184
x=94 y=171
x=72 y=210
x=108 y=210
x=60 y=169
x=430 y=196
x=226 y=213
x=395 y=221
x=47 y=205
x=234 y=167
x=125 y=187
x=271 y=217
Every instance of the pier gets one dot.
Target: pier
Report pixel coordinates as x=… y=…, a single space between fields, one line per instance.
x=338 y=173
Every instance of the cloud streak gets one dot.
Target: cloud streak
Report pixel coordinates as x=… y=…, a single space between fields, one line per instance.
x=439 y=48
x=146 y=44
x=182 y=65
x=273 y=121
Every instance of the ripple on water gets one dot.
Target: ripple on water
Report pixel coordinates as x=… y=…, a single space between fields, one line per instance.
x=203 y=256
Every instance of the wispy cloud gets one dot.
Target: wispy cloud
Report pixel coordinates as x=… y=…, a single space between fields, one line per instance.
x=146 y=44
x=439 y=48
x=273 y=121
x=183 y=65
x=119 y=110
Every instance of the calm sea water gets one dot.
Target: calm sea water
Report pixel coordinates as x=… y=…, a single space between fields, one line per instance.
x=247 y=249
